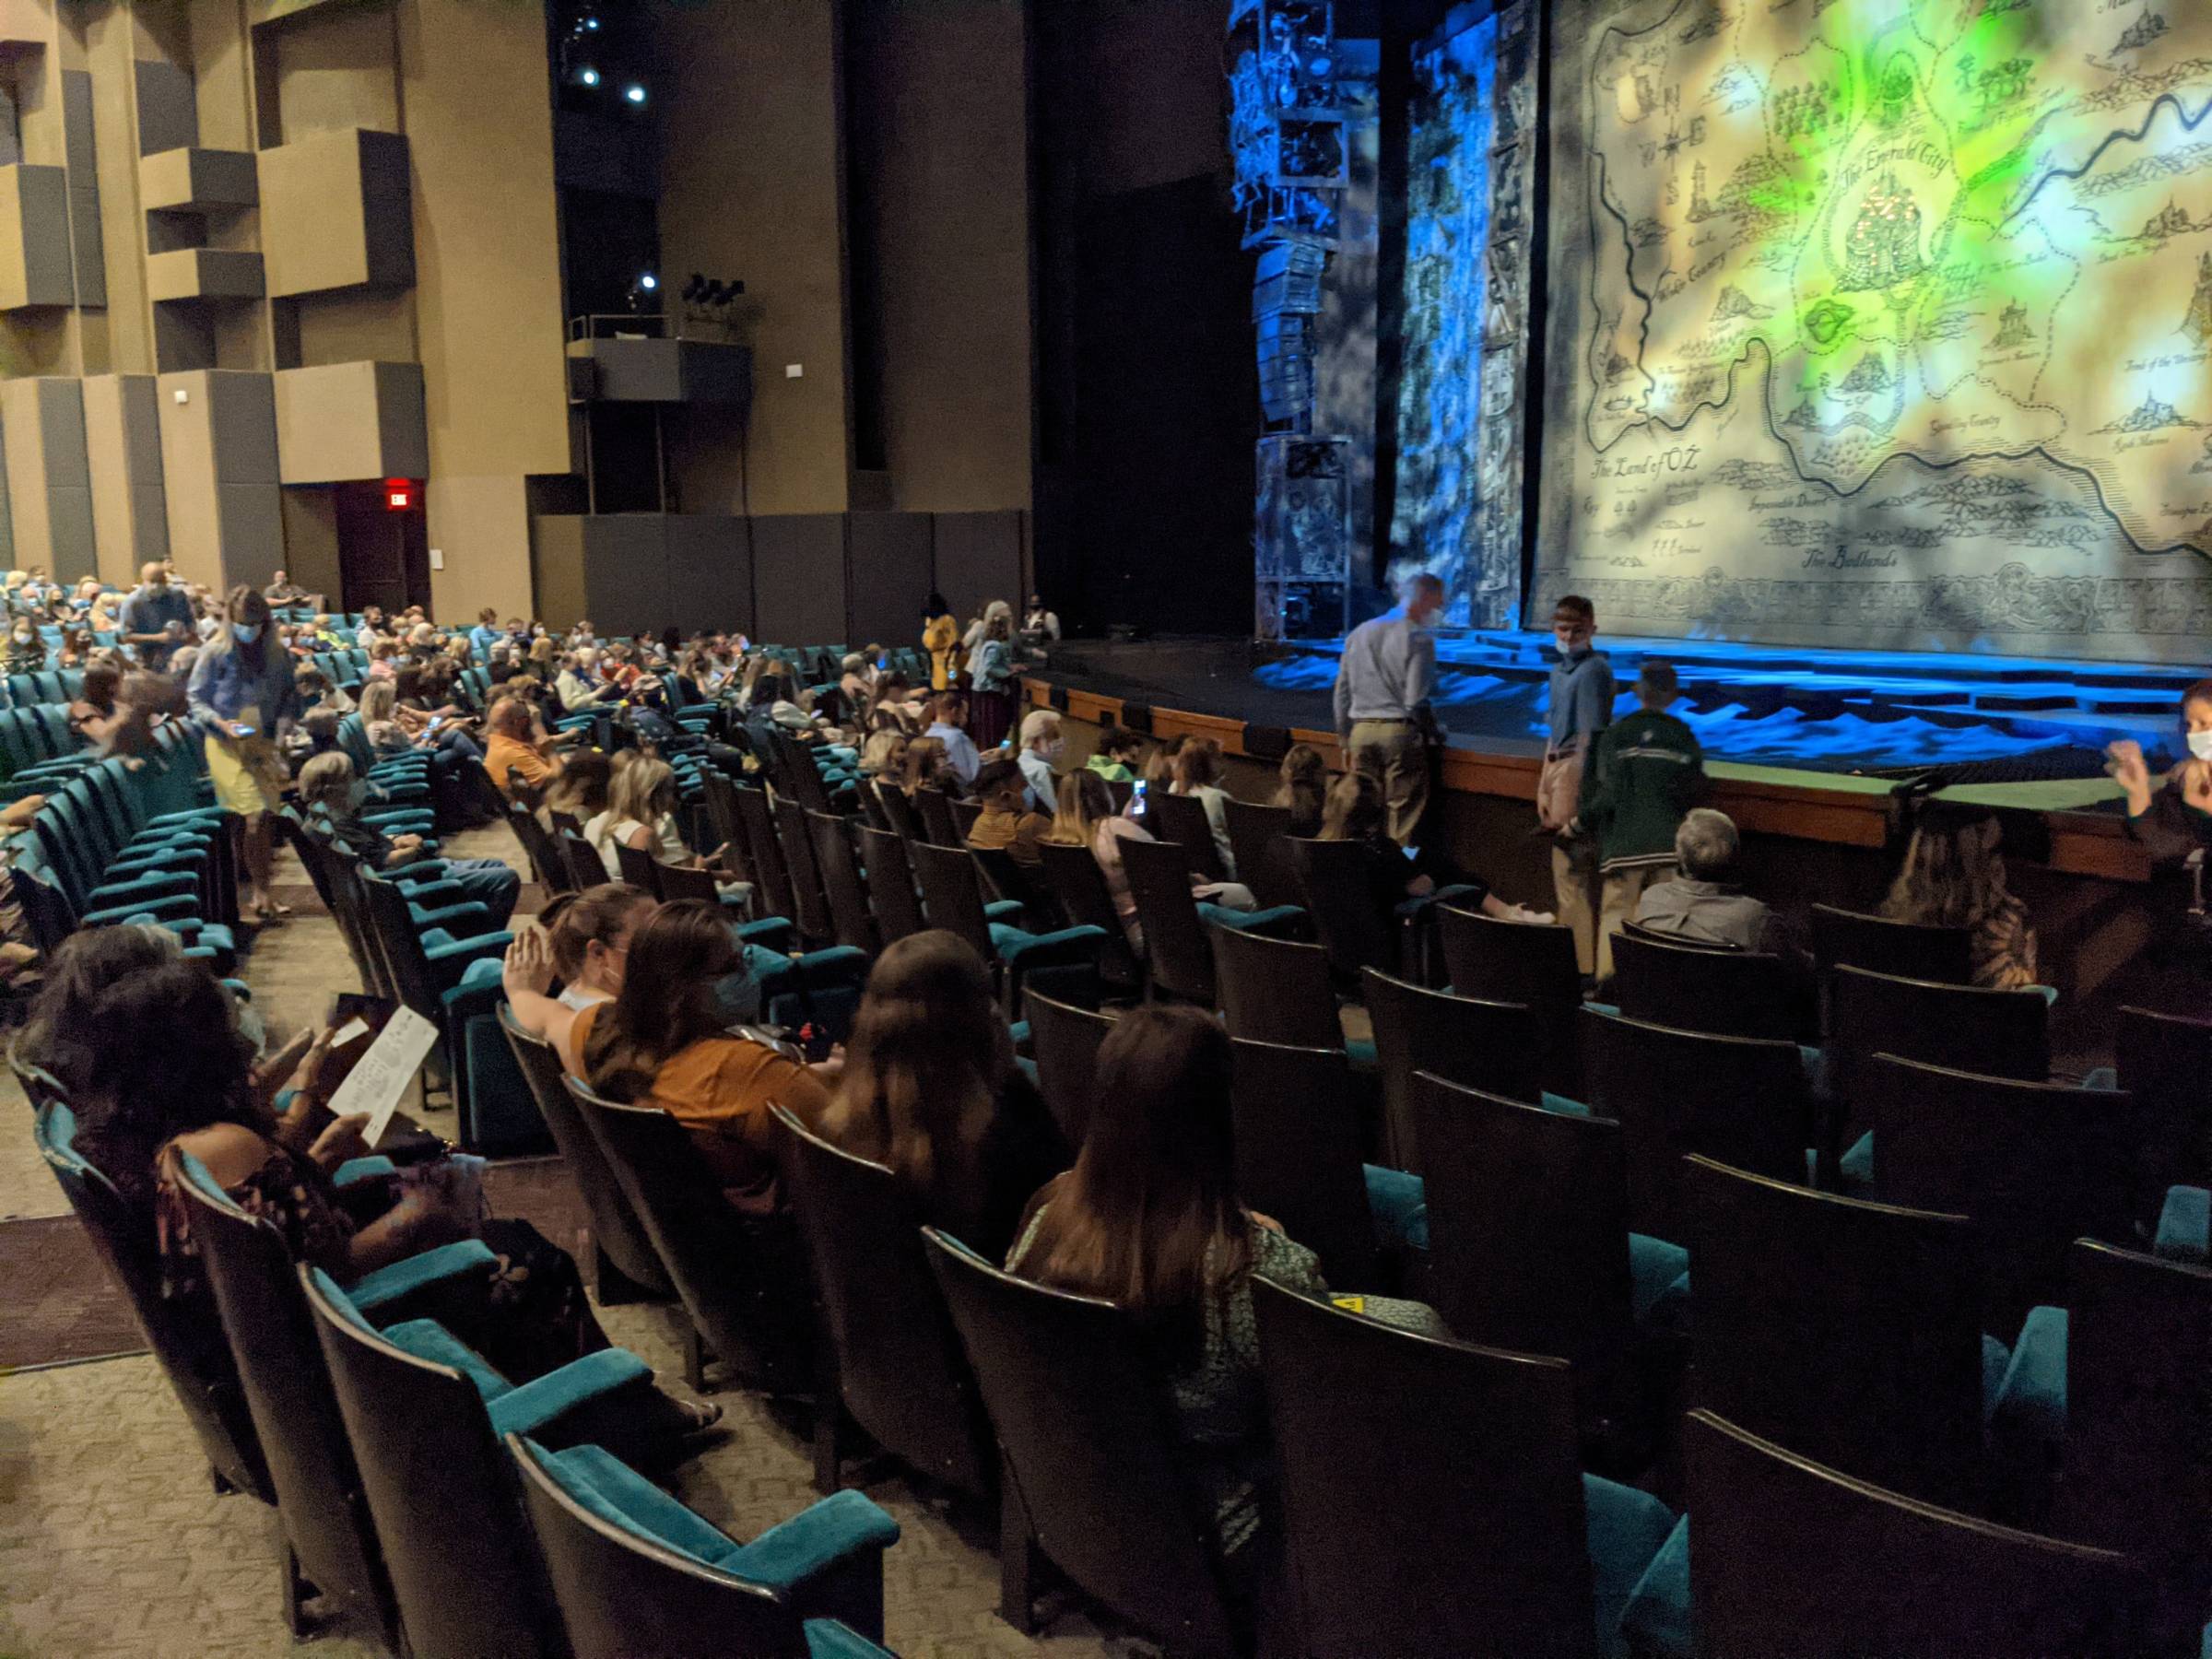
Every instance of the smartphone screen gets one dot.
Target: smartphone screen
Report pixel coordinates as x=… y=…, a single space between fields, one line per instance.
x=1137 y=799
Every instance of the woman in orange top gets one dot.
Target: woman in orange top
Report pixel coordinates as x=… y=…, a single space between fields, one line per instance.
x=663 y=1042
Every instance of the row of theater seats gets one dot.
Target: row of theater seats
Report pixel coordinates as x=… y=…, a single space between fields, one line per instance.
x=1869 y=1335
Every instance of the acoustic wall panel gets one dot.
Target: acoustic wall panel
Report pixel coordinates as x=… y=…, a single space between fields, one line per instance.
x=50 y=492
x=169 y=116
x=85 y=243
x=34 y=237
x=891 y=578
x=557 y=568
x=202 y=274
x=123 y=452
x=251 y=520
x=7 y=527
x=219 y=470
x=979 y=560
x=336 y=213
x=345 y=421
x=626 y=572
x=186 y=179
x=710 y=572
x=799 y=578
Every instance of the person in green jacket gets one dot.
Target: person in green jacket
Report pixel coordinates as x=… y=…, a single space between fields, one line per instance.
x=1643 y=777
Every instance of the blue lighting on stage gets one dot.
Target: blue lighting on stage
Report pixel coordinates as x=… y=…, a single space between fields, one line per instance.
x=1827 y=710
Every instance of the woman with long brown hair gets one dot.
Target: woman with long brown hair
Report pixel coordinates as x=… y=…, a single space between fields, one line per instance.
x=930 y=1089
x=1953 y=876
x=1356 y=813
x=665 y=1039
x=1303 y=787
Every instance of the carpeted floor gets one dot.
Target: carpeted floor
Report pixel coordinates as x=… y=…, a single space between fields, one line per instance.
x=61 y=1305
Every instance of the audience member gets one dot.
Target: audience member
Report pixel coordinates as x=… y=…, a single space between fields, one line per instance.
x=1303 y=789
x=1703 y=900
x=327 y=787
x=1953 y=876
x=1199 y=775
x=1148 y=1219
x=1645 y=774
x=1579 y=708
x=930 y=1089
x=95 y=716
x=1086 y=818
x=664 y=1041
x=2176 y=819
x=945 y=716
x=157 y=617
x=1395 y=874
x=1042 y=744
x=1159 y=765
x=1116 y=756
x=941 y=638
x=1006 y=824
x=1385 y=681
x=992 y=679
x=241 y=687
x=516 y=747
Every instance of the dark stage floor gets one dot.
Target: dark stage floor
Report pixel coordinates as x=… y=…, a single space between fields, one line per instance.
x=2004 y=718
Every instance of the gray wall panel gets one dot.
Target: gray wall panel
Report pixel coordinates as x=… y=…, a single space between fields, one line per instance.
x=252 y=516
x=168 y=115
x=979 y=560
x=69 y=517
x=626 y=572
x=890 y=577
x=62 y=433
x=242 y=417
x=710 y=573
x=799 y=578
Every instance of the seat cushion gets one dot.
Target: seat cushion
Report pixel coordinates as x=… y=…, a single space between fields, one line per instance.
x=784 y=1557
x=619 y=1495
x=1654 y=1268
x=2185 y=1226
x=2030 y=1404
x=427 y=1339
x=1854 y=1171
x=468 y=1258
x=1626 y=1530
x=1657 y=1621
x=1397 y=1202
x=1561 y=1103
x=827 y=1639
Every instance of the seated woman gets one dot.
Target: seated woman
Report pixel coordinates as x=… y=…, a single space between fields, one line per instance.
x=1198 y=774
x=327 y=788
x=640 y=814
x=581 y=789
x=1304 y=789
x=582 y=940
x=1396 y=874
x=665 y=1040
x=930 y=1089
x=98 y=714
x=1954 y=876
x=927 y=766
x=1084 y=816
x=171 y=1075
x=1149 y=1218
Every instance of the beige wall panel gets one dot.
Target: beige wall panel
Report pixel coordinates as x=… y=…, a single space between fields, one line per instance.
x=351 y=421
x=25 y=22
x=188 y=475
x=27 y=500
x=751 y=186
x=311 y=539
x=481 y=526
x=221 y=70
x=953 y=247
x=487 y=297
x=362 y=325
x=112 y=44
x=313 y=223
x=123 y=449
x=242 y=337
x=337 y=68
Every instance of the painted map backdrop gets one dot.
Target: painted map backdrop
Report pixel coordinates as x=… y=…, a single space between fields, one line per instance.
x=1884 y=323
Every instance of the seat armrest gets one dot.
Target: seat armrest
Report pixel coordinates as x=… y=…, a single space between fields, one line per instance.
x=448 y=1261
x=529 y=1408
x=372 y=1168
x=2185 y=1226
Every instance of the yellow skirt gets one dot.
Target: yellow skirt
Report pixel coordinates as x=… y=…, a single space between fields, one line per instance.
x=247 y=774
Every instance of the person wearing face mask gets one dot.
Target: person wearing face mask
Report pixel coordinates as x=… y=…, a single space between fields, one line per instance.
x=26 y=652
x=1581 y=707
x=243 y=691
x=334 y=795
x=1042 y=744
x=1385 y=724
x=581 y=942
x=2175 y=819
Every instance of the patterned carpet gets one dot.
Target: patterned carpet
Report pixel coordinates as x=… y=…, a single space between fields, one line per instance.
x=113 y=1542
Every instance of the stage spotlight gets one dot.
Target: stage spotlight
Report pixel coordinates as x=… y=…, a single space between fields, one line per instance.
x=590 y=77
x=634 y=93
x=591 y=22
x=694 y=288
x=648 y=281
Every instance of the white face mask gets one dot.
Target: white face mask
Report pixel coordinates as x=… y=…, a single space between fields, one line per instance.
x=2200 y=744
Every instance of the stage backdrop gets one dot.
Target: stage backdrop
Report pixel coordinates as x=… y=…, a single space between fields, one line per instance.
x=1883 y=322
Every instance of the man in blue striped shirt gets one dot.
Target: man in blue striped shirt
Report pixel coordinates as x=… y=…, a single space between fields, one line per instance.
x=1383 y=722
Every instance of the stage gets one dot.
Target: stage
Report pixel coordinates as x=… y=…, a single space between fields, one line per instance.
x=1986 y=720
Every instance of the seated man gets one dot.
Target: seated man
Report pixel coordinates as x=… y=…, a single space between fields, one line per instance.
x=1008 y=825
x=327 y=789
x=1702 y=903
x=516 y=748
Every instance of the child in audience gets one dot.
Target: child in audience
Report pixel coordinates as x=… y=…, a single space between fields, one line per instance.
x=1644 y=774
x=930 y=1089
x=1304 y=788
x=1117 y=754
x=1197 y=773
x=1393 y=874
x=1581 y=707
x=1006 y=824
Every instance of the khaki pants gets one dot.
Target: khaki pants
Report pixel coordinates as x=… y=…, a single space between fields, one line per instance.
x=1575 y=883
x=1623 y=892
x=1394 y=754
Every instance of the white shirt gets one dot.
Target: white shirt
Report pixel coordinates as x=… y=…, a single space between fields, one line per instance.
x=1043 y=786
x=960 y=750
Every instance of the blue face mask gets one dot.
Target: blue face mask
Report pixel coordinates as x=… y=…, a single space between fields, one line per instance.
x=356 y=796
x=245 y=634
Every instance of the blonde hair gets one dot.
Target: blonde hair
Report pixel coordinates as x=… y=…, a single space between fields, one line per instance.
x=378 y=699
x=327 y=780
x=643 y=791
x=1083 y=802
x=1039 y=725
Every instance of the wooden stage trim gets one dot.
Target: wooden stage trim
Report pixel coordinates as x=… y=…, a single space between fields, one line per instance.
x=1762 y=800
